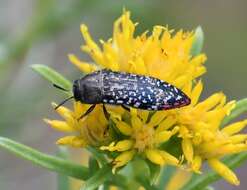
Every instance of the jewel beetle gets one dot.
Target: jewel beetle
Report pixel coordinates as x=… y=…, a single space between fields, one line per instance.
x=128 y=90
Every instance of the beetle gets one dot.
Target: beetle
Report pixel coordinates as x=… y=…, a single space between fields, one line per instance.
x=128 y=90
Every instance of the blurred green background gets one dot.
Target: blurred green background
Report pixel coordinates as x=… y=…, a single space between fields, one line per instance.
x=45 y=31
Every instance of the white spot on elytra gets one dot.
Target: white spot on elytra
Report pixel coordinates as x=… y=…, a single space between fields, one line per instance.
x=119 y=101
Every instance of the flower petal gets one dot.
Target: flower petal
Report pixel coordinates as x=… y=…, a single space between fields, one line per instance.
x=136 y=122
x=196 y=164
x=122 y=159
x=154 y=156
x=164 y=136
x=73 y=141
x=138 y=66
x=169 y=159
x=143 y=115
x=83 y=66
x=61 y=110
x=188 y=149
x=123 y=127
x=224 y=171
x=232 y=149
x=238 y=138
x=210 y=102
x=157 y=118
x=166 y=123
x=88 y=38
x=196 y=92
x=120 y=146
x=235 y=127
x=60 y=125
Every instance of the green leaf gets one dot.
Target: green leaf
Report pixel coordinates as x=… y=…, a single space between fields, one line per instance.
x=46 y=161
x=198 y=42
x=166 y=174
x=241 y=107
x=51 y=75
x=207 y=178
x=154 y=172
x=98 y=178
x=63 y=180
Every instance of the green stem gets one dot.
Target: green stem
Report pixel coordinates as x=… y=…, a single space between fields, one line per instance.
x=98 y=178
x=98 y=155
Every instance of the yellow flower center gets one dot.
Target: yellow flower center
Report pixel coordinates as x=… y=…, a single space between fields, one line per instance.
x=144 y=138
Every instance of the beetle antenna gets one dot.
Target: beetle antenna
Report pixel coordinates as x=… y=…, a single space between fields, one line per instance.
x=60 y=88
x=63 y=102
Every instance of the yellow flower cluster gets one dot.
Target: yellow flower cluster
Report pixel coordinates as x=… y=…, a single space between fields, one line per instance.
x=90 y=130
x=166 y=55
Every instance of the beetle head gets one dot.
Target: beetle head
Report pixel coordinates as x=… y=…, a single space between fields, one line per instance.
x=77 y=91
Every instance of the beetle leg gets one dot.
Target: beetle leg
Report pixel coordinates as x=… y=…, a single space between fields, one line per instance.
x=125 y=107
x=87 y=112
x=107 y=115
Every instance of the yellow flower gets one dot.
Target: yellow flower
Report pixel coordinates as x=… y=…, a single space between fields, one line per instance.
x=142 y=137
x=163 y=54
x=202 y=137
x=91 y=130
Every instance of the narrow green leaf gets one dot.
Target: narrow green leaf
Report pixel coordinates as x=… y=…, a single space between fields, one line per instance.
x=154 y=172
x=198 y=42
x=207 y=178
x=51 y=75
x=165 y=176
x=98 y=178
x=46 y=161
x=63 y=180
x=241 y=107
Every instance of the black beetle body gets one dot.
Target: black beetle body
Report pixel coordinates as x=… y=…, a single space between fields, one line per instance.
x=119 y=88
x=88 y=89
